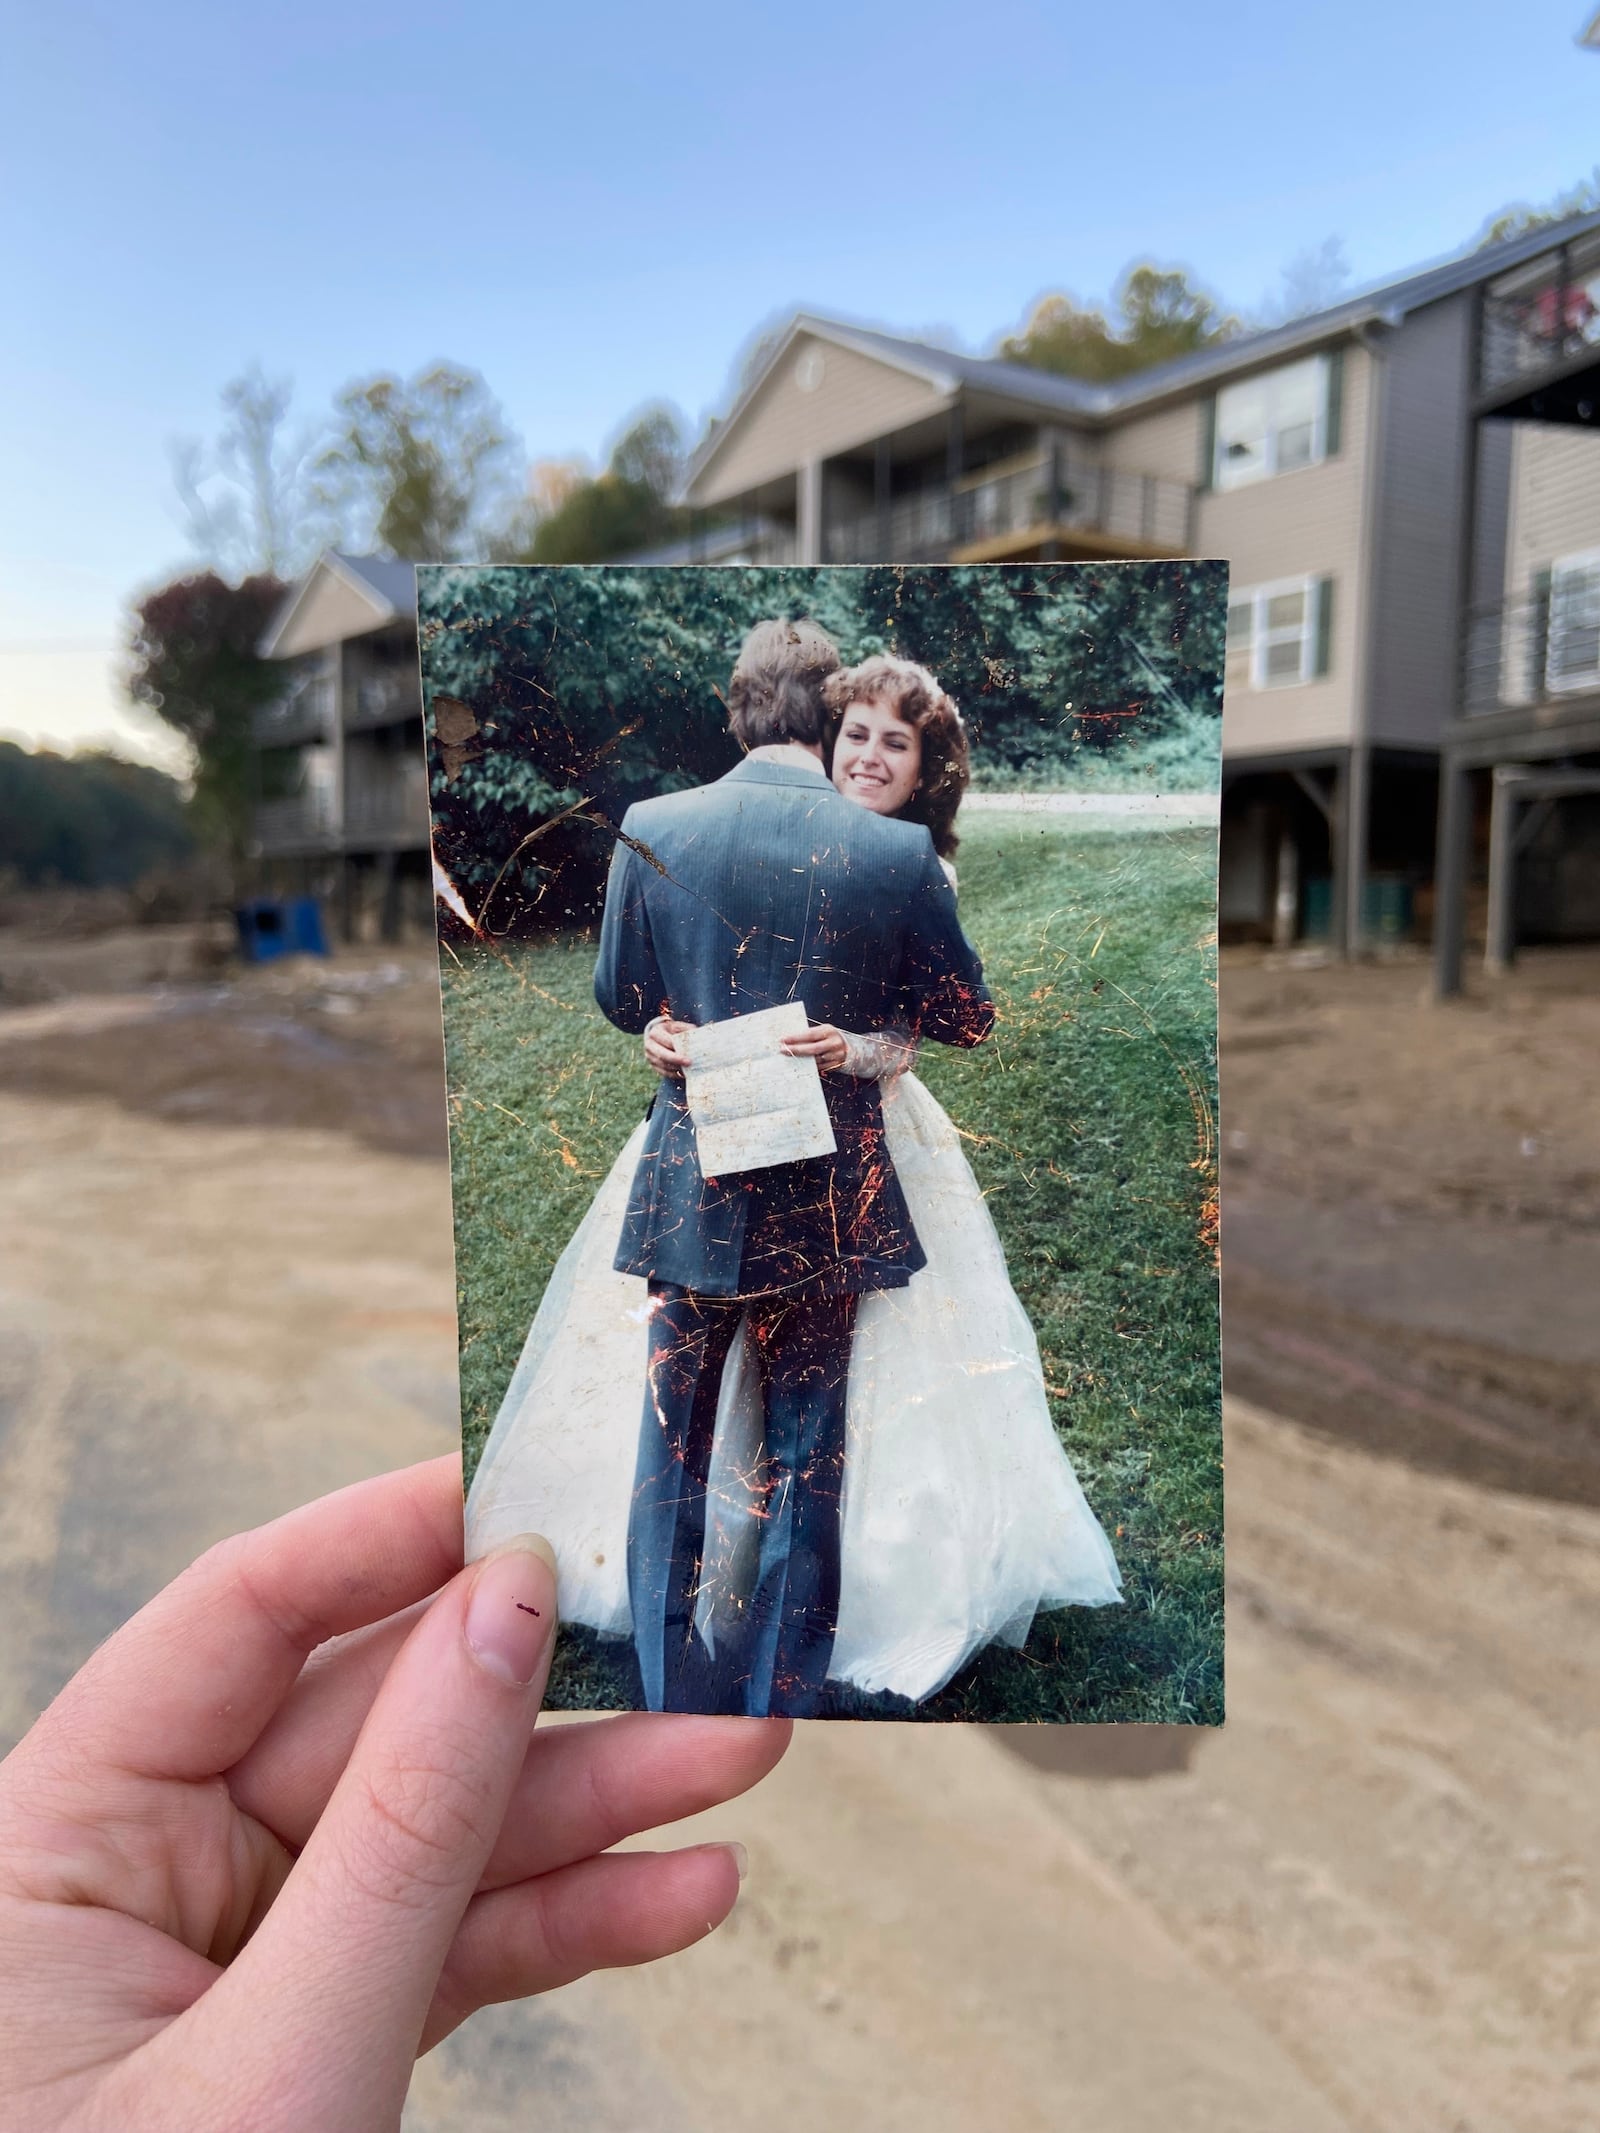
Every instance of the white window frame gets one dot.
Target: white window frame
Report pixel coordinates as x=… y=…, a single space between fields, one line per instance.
x=1583 y=562
x=1225 y=477
x=1261 y=638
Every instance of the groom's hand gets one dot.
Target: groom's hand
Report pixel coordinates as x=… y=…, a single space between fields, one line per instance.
x=661 y=1048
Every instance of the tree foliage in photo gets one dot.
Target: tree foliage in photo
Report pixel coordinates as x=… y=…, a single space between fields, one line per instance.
x=554 y=688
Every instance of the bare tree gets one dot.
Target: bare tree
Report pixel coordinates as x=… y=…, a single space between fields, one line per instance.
x=247 y=497
x=1316 y=277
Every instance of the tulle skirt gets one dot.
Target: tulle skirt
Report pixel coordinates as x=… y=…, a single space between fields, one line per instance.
x=962 y=1515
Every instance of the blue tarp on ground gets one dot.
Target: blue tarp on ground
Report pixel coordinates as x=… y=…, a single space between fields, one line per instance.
x=270 y=926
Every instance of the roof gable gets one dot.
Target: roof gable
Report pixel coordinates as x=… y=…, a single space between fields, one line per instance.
x=339 y=597
x=823 y=390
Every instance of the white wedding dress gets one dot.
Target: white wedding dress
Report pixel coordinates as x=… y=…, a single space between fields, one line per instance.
x=962 y=1515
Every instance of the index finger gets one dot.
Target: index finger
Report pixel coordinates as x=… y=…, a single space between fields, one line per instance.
x=184 y=1688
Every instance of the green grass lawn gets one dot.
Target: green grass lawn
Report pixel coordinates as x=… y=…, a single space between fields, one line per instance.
x=1093 y=1116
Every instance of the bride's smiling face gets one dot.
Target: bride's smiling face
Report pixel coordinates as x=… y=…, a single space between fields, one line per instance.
x=877 y=758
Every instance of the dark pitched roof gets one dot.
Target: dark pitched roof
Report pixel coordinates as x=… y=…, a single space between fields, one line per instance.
x=987 y=373
x=394 y=583
x=1385 y=303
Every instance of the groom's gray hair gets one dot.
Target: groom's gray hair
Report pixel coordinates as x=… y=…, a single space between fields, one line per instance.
x=776 y=693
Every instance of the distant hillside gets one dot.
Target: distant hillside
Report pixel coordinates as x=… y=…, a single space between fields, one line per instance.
x=87 y=821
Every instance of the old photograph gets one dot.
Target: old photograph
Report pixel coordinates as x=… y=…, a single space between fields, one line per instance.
x=829 y=993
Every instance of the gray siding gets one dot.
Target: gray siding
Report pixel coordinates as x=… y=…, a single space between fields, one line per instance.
x=1421 y=501
x=1497 y=443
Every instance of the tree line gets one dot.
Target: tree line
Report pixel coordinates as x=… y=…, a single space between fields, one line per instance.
x=87 y=821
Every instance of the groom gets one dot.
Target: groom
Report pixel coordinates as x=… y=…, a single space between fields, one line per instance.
x=764 y=888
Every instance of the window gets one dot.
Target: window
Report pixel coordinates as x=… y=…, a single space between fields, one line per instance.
x=1276 y=422
x=1278 y=634
x=1572 y=634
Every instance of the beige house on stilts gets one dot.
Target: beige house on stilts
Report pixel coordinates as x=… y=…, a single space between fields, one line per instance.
x=1405 y=485
x=1334 y=462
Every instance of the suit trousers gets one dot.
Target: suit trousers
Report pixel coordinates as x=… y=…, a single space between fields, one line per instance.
x=775 y=1661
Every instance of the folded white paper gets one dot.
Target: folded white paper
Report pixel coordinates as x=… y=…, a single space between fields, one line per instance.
x=752 y=1104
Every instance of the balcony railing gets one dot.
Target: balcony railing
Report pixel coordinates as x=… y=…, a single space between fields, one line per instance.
x=387 y=808
x=1540 y=650
x=380 y=699
x=1539 y=318
x=767 y=544
x=755 y=540
x=304 y=819
x=382 y=812
x=304 y=712
x=1129 y=511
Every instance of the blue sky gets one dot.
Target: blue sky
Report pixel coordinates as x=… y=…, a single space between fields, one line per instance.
x=597 y=207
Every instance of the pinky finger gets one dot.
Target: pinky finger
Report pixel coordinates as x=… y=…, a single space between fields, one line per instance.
x=604 y=1913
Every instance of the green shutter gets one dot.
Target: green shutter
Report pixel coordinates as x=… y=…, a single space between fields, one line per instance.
x=1324 y=596
x=1538 y=634
x=1334 y=427
x=1208 y=440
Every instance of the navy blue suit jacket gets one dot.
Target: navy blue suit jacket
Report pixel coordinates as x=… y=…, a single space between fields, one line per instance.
x=766 y=887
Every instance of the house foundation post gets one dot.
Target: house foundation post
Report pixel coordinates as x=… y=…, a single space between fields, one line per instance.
x=1286 y=896
x=1500 y=944
x=389 y=896
x=1450 y=876
x=1339 y=859
x=1357 y=813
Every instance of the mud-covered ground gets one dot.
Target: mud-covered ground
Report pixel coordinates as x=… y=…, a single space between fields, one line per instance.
x=1367 y=1904
x=1411 y=1211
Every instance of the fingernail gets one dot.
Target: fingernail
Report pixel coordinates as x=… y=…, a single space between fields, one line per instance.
x=740 y=1858
x=736 y=1852
x=511 y=1611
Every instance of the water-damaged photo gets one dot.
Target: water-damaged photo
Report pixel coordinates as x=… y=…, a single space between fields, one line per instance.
x=830 y=1018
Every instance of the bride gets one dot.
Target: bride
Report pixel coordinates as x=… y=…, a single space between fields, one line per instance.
x=962 y=1515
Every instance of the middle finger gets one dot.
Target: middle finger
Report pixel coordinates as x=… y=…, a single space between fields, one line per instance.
x=595 y=1781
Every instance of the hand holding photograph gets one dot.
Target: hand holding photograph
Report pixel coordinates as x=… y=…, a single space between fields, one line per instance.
x=873 y=1370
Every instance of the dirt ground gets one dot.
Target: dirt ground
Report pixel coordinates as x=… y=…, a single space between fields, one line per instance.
x=1411 y=1210
x=1368 y=1904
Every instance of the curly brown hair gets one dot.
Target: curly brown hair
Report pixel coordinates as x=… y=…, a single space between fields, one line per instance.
x=912 y=694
